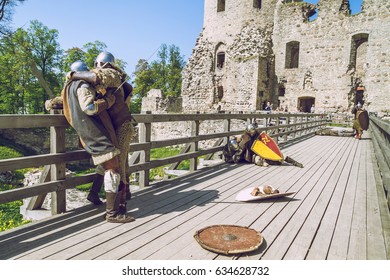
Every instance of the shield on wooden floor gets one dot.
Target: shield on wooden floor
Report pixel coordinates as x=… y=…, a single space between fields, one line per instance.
x=363 y=118
x=247 y=195
x=267 y=148
x=228 y=239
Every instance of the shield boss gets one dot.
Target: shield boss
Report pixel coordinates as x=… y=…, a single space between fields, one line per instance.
x=228 y=239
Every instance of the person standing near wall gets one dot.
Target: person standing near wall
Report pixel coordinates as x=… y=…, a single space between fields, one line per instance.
x=356 y=124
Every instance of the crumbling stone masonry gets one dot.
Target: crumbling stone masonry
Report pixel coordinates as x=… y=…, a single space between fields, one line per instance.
x=254 y=51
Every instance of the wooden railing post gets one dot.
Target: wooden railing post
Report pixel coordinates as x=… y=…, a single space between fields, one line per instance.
x=277 y=123
x=226 y=128
x=286 y=129
x=194 y=145
x=57 y=172
x=145 y=135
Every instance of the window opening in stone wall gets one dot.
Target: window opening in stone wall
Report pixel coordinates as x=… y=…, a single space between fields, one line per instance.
x=345 y=8
x=220 y=60
x=268 y=70
x=313 y=16
x=219 y=93
x=305 y=103
x=292 y=55
x=257 y=4
x=358 y=56
x=282 y=90
x=221 y=5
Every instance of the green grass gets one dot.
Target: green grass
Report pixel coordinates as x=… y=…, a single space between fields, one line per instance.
x=9 y=212
x=165 y=152
x=159 y=153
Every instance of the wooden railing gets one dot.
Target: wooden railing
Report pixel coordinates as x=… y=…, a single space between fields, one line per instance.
x=282 y=127
x=380 y=131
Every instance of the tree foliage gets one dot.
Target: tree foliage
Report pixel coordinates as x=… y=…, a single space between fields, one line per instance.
x=29 y=69
x=33 y=67
x=163 y=73
x=87 y=54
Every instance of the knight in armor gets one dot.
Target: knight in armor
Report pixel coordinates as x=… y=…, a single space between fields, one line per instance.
x=109 y=80
x=356 y=124
x=240 y=150
x=87 y=112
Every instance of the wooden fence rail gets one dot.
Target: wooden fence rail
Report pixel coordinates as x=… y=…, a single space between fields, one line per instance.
x=380 y=131
x=282 y=127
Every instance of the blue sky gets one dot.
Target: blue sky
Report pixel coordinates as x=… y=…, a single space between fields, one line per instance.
x=132 y=29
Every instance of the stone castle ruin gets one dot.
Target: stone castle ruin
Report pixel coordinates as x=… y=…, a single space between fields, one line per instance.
x=254 y=51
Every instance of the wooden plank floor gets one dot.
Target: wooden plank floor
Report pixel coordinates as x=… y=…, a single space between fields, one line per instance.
x=337 y=212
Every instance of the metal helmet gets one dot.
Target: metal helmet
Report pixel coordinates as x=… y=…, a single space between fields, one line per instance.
x=251 y=129
x=79 y=66
x=103 y=58
x=233 y=145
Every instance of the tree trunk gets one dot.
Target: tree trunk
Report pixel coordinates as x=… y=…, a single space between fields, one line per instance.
x=38 y=74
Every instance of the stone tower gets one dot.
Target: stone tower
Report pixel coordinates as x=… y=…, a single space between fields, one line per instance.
x=253 y=51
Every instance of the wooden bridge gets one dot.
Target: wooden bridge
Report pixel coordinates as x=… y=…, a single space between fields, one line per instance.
x=339 y=209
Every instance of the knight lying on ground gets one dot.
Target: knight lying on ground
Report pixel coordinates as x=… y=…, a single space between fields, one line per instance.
x=242 y=148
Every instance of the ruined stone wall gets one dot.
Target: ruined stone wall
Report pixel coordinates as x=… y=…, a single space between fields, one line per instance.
x=254 y=42
x=325 y=51
x=243 y=33
x=156 y=102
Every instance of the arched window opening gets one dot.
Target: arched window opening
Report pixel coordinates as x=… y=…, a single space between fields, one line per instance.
x=358 y=55
x=292 y=55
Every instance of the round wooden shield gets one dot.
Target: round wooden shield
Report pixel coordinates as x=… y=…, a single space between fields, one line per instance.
x=228 y=239
x=364 y=119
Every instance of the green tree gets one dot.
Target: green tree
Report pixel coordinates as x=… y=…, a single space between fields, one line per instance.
x=87 y=54
x=92 y=50
x=71 y=55
x=31 y=69
x=163 y=73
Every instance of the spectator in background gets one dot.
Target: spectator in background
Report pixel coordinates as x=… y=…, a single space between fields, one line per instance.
x=268 y=107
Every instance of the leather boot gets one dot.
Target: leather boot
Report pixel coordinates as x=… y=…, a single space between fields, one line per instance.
x=93 y=195
x=293 y=162
x=112 y=207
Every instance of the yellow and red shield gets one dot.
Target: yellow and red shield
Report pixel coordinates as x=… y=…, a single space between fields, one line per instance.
x=267 y=148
